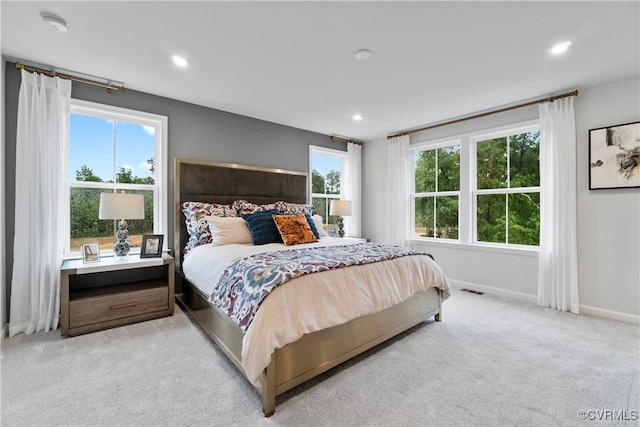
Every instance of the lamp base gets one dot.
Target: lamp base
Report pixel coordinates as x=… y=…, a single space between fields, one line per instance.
x=122 y=247
x=340 y=226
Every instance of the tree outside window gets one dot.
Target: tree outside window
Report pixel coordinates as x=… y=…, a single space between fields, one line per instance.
x=436 y=192
x=479 y=189
x=508 y=189
x=326 y=176
x=108 y=154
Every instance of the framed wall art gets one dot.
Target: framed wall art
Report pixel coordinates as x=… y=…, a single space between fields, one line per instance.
x=614 y=156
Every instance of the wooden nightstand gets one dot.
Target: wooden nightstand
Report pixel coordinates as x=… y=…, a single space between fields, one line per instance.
x=114 y=292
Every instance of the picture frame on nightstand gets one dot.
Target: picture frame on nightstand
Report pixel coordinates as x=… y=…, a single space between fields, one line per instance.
x=151 y=246
x=90 y=252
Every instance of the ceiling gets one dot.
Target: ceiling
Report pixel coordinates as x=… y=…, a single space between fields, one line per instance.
x=293 y=62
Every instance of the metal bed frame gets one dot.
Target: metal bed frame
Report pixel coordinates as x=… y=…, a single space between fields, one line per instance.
x=314 y=353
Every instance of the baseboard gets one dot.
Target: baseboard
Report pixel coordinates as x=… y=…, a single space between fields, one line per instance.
x=584 y=309
x=609 y=314
x=458 y=284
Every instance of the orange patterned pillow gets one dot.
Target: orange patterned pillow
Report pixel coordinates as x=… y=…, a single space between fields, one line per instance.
x=294 y=229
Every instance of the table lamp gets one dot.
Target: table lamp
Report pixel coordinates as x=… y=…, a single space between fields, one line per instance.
x=119 y=206
x=341 y=208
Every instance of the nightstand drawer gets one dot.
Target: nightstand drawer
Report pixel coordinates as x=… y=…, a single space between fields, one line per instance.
x=114 y=292
x=85 y=311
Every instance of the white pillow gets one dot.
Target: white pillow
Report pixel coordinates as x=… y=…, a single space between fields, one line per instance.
x=228 y=230
x=319 y=225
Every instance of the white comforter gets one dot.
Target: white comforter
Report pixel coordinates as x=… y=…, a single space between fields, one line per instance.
x=322 y=301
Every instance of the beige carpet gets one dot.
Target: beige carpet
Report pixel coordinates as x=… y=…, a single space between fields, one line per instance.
x=490 y=361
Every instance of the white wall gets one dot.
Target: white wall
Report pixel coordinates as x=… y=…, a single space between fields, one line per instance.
x=608 y=220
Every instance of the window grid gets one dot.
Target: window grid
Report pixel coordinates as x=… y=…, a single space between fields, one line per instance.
x=437 y=195
x=469 y=192
x=115 y=115
x=321 y=201
x=508 y=134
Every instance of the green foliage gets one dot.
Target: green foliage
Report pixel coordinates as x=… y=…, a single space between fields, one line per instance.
x=143 y=226
x=152 y=164
x=321 y=207
x=492 y=163
x=425 y=177
x=446 y=162
x=125 y=177
x=507 y=162
x=86 y=174
x=324 y=185
x=437 y=216
x=317 y=182
x=511 y=162
x=85 y=205
x=332 y=183
x=524 y=159
x=524 y=219
x=437 y=170
x=491 y=221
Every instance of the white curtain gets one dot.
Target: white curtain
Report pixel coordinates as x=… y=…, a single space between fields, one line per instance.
x=398 y=191
x=558 y=264
x=352 y=190
x=40 y=208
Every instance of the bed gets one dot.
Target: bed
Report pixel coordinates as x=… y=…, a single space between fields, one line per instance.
x=280 y=348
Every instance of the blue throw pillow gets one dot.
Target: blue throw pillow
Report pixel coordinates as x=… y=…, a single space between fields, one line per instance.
x=312 y=224
x=262 y=227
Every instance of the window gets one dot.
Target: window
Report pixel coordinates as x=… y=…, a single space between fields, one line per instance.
x=326 y=179
x=479 y=188
x=436 y=192
x=507 y=195
x=113 y=149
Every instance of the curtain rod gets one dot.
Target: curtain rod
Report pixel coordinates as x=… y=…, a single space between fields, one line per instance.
x=52 y=73
x=488 y=113
x=338 y=138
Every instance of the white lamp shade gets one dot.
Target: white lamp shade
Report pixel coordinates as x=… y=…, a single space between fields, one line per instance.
x=340 y=208
x=121 y=206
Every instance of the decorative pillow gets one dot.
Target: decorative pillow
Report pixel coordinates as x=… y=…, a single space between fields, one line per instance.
x=317 y=219
x=294 y=208
x=243 y=207
x=197 y=227
x=262 y=227
x=294 y=229
x=228 y=230
x=312 y=225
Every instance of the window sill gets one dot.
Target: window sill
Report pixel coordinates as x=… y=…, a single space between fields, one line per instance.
x=478 y=247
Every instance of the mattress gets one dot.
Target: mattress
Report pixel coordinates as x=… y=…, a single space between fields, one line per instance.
x=314 y=301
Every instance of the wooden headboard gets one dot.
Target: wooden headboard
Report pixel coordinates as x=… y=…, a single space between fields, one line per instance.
x=213 y=182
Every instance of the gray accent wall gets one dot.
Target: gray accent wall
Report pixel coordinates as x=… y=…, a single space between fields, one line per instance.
x=195 y=132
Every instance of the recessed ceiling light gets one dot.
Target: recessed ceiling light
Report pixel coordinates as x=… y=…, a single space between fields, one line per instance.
x=55 y=22
x=362 y=54
x=357 y=117
x=180 y=61
x=559 y=48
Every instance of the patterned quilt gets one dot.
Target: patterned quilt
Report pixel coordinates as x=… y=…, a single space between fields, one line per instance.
x=247 y=281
